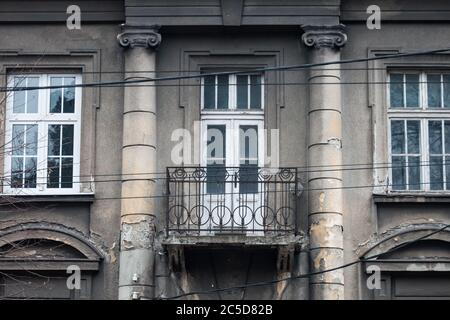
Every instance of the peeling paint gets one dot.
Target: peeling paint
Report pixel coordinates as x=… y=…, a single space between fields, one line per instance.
x=112 y=254
x=395 y=234
x=282 y=285
x=137 y=234
x=321 y=200
x=335 y=142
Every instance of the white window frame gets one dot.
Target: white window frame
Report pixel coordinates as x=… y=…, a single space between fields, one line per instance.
x=232 y=94
x=232 y=148
x=43 y=118
x=423 y=114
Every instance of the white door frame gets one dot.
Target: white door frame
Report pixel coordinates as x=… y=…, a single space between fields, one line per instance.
x=232 y=122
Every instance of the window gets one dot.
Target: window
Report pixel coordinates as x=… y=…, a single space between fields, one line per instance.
x=419 y=120
x=233 y=138
x=236 y=92
x=43 y=131
x=216 y=158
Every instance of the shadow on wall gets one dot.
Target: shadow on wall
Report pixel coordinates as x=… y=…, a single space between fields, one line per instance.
x=208 y=269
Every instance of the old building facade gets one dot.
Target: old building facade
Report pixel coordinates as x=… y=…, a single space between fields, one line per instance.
x=230 y=169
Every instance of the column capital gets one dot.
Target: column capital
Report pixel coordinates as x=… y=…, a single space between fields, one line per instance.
x=140 y=36
x=323 y=36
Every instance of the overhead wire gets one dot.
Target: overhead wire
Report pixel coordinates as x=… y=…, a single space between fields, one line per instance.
x=307 y=275
x=264 y=69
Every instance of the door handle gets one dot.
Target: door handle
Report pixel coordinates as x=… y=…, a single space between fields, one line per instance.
x=235 y=179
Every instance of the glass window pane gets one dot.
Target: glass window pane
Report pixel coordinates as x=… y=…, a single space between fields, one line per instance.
x=209 y=92
x=19 y=96
x=397 y=136
x=18 y=139
x=222 y=92
x=248 y=178
x=53 y=172
x=16 y=172
x=412 y=90
x=413 y=127
x=447 y=136
x=398 y=173
x=215 y=172
x=436 y=173
x=67 y=173
x=435 y=136
x=67 y=140
x=54 y=136
x=447 y=172
x=55 y=95
x=69 y=96
x=255 y=92
x=242 y=91
x=31 y=140
x=215 y=179
x=434 y=90
x=248 y=143
x=32 y=95
x=446 y=80
x=396 y=90
x=414 y=173
x=216 y=142
x=30 y=172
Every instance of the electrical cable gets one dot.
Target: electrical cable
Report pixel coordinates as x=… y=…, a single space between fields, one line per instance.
x=265 y=69
x=310 y=274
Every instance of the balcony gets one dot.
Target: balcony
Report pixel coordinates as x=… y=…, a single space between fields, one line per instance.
x=231 y=202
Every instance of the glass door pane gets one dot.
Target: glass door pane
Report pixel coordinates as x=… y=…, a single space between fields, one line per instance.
x=216 y=159
x=248 y=159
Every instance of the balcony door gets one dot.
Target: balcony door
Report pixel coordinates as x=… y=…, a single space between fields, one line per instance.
x=232 y=152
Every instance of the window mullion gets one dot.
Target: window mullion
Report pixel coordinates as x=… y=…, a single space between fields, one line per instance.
x=423 y=91
x=63 y=81
x=404 y=90
x=44 y=111
x=443 y=155
x=426 y=156
x=405 y=128
x=444 y=151
x=262 y=91
x=202 y=93
x=60 y=154
x=249 y=91
x=232 y=99
x=41 y=165
x=25 y=107
x=216 y=91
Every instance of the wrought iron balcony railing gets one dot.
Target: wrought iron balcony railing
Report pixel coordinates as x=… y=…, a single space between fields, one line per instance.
x=231 y=200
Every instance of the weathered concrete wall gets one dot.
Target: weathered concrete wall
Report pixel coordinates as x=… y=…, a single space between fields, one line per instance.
x=94 y=46
x=362 y=219
x=179 y=107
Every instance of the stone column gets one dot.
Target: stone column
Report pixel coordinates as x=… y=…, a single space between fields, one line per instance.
x=136 y=274
x=325 y=149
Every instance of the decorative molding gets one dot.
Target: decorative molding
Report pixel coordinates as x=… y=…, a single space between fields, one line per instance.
x=89 y=62
x=392 y=238
x=333 y=37
x=52 y=231
x=140 y=36
x=232 y=12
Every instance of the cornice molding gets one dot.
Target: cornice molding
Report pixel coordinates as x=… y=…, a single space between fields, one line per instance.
x=140 y=36
x=322 y=36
